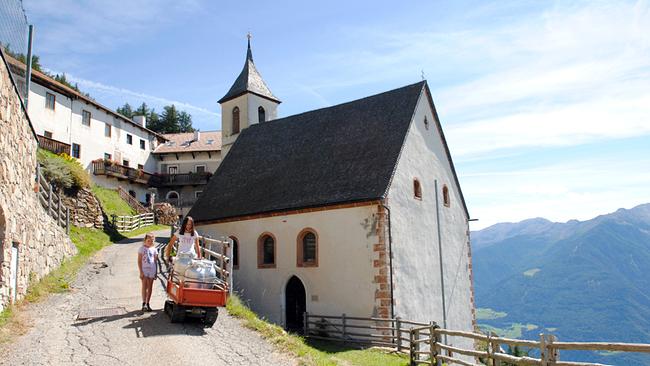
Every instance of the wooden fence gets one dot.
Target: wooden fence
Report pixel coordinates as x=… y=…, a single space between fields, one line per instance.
x=426 y=345
x=219 y=251
x=52 y=202
x=132 y=201
x=130 y=223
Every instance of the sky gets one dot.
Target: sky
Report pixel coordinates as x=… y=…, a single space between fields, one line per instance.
x=545 y=105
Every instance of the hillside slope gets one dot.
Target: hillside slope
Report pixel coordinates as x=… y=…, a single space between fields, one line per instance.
x=585 y=280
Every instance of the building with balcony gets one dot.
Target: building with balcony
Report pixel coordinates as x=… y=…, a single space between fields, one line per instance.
x=67 y=121
x=185 y=163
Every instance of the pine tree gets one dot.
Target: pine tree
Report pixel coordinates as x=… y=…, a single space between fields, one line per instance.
x=185 y=122
x=125 y=110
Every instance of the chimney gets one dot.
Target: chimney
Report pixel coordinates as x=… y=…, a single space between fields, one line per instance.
x=197 y=135
x=140 y=120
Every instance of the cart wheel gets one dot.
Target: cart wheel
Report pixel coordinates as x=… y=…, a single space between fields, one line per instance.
x=178 y=313
x=168 y=308
x=210 y=317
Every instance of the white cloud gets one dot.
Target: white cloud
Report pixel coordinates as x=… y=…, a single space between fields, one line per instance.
x=93 y=86
x=74 y=27
x=559 y=192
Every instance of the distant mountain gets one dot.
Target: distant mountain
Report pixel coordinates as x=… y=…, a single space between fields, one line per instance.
x=580 y=280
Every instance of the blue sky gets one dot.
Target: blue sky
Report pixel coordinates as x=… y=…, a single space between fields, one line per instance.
x=545 y=105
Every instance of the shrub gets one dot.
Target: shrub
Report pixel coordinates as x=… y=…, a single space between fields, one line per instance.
x=63 y=170
x=55 y=170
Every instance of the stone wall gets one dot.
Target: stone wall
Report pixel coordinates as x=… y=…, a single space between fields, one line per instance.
x=85 y=210
x=41 y=244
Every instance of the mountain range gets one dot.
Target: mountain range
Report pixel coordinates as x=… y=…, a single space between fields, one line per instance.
x=579 y=280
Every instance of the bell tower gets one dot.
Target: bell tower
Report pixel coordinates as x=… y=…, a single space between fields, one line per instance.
x=248 y=101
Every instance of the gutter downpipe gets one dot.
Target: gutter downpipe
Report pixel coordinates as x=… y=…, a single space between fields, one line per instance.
x=442 y=277
x=390 y=262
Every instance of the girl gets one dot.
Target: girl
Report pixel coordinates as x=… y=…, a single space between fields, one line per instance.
x=147 y=264
x=188 y=239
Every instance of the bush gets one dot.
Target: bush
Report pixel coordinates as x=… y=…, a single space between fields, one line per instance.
x=63 y=170
x=55 y=170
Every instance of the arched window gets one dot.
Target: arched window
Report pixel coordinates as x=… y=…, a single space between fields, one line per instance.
x=266 y=251
x=172 y=195
x=235 y=252
x=235 y=120
x=445 y=196
x=417 y=189
x=261 y=114
x=307 y=249
x=426 y=122
x=132 y=193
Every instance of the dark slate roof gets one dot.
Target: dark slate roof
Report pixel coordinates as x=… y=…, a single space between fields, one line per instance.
x=249 y=80
x=341 y=154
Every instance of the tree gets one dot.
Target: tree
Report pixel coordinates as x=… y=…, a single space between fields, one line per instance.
x=185 y=122
x=169 y=120
x=125 y=110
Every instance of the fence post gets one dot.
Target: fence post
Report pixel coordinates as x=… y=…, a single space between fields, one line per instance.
x=305 y=323
x=553 y=353
x=398 y=326
x=543 y=354
x=58 y=209
x=438 y=341
x=411 y=348
x=416 y=345
x=432 y=342
x=343 y=322
x=67 y=220
x=49 y=200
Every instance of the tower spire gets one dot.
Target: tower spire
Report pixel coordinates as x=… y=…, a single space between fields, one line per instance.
x=249 y=53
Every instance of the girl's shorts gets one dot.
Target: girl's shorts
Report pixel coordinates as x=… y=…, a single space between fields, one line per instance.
x=149 y=272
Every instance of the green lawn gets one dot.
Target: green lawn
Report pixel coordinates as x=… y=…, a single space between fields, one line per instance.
x=312 y=353
x=111 y=202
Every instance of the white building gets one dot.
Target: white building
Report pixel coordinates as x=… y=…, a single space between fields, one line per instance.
x=353 y=209
x=186 y=162
x=68 y=121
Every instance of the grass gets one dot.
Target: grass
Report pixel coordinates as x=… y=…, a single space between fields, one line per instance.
x=111 y=202
x=311 y=353
x=488 y=314
x=514 y=331
x=88 y=242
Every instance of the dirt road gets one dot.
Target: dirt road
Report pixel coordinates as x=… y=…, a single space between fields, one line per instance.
x=130 y=338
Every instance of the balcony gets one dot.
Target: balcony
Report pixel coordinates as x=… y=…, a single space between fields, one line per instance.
x=52 y=145
x=169 y=180
x=178 y=202
x=121 y=172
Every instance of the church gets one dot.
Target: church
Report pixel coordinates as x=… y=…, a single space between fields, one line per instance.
x=354 y=208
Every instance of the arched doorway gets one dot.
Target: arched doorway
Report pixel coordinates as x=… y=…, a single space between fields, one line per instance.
x=295 y=304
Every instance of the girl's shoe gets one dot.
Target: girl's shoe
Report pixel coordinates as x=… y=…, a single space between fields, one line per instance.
x=148 y=308
x=144 y=307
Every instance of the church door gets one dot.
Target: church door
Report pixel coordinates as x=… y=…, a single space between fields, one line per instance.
x=295 y=301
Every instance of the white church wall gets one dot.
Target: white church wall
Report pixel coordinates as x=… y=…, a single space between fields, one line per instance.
x=416 y=260
x=343 y=280
x=186 y=163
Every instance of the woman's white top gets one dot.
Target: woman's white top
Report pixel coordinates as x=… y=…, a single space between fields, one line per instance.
x=186 y=242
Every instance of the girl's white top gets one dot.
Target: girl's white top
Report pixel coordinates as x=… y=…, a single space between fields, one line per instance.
x=186 y=242
x=148 y=256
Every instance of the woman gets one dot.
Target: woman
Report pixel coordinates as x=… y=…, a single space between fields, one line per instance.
x=187 y=238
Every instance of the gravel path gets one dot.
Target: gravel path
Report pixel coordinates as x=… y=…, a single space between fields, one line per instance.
x=110 y=281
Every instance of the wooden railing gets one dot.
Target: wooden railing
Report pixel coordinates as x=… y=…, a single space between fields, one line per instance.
x=426 y=345
x=130 y=223
x=132 y=201
x=219 y=251
x=109 y=168
x=52 y=145
x=52 y=202
x=184 y=179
